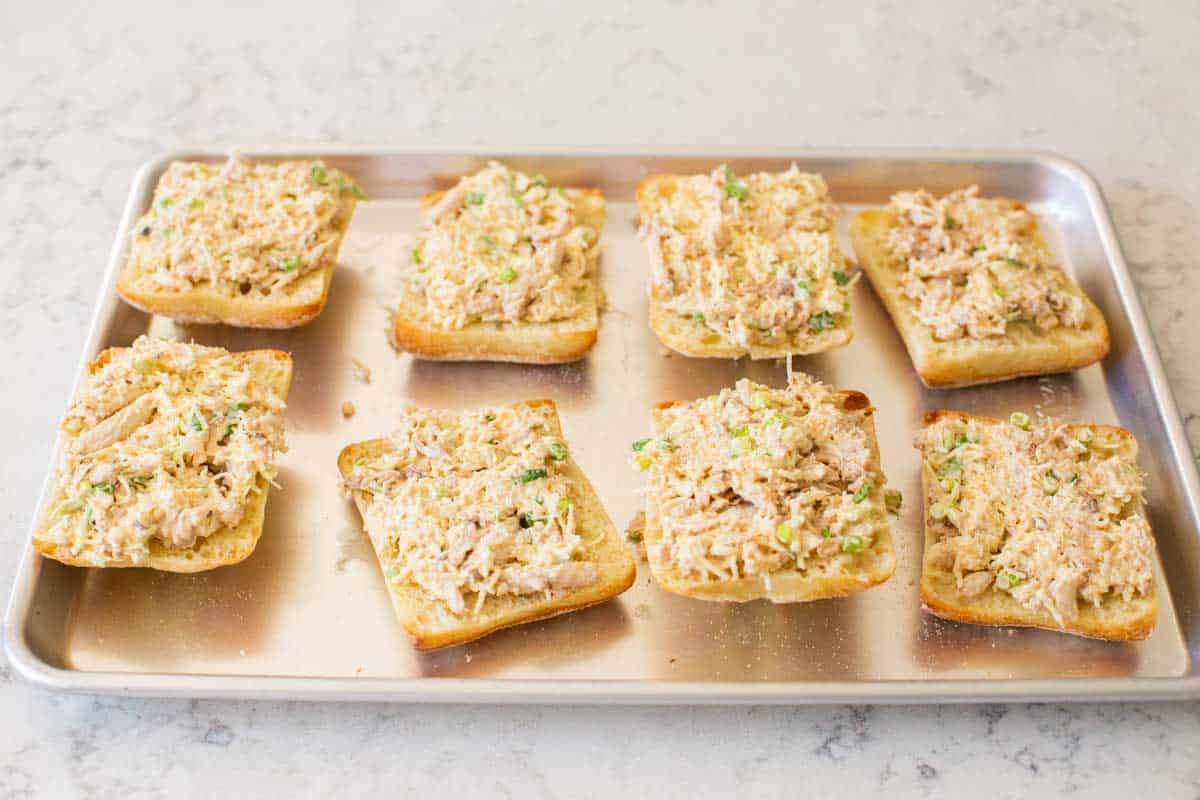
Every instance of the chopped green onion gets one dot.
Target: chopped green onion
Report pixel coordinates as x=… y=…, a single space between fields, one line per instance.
x=758 y=400
x=558 y=451
x=506 y=275
x=1050 y=482
x=861 y=492
x=665 y=443
x=1020 y=419
x=438 y=492
x=240 y=405
x=733 y=187
x=319 y=175
x=1014 y=262
x=948 y=484
x=978 y=249
x=950 y=467
x=564 y=503
x=1012 y=579
x=852 y=543
x=69 y=507
x=105 y=487
x=139 y=481
x=350 y=187
x=229 y=429
x=740 y=431
x=892 y=500
x=643 y=462
x=166 y=201
x=954 y=441
x=526 y=521
x=475 y=198
x=530 y=475
x=826 y=533
x=801 y=286
x=951 y=223
x=840 y=277
x=784 y=533
x=196 y=203
x=195 y=421
x=939 y=510
x=697 y=316
x=289 y=263
x=821 y=321
x=415 y=255
x=773 y=419
x=392 y=574
x=146 y=365
x=640 y=445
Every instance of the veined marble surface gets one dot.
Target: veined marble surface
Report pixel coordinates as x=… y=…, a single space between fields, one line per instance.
x=89 y=92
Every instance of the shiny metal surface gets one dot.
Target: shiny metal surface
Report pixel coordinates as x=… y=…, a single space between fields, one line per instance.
x=307 y=616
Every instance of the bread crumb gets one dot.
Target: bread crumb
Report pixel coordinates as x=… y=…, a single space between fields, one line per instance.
x=348 y=409
x=361 y=371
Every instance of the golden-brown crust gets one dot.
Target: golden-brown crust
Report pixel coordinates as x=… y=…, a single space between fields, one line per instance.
x=969 y=362
x=293 y=306
x=687 y=337
x=427 y=622
x=783 y=586
x=556 y=342
x=1114 y=620
x=229 y=545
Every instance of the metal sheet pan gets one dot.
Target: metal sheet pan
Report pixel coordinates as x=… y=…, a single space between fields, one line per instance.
x=307 y=615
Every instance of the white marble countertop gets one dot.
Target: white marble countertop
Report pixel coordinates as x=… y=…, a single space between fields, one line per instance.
x=90 y=92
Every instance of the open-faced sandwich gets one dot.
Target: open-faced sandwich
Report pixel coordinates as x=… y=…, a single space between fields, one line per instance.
x=974 y=290
x=1036 y=524
x=251 y=245
x=766 y=493
x=170 y=449
x=504 y=270
x=744 y=265
x=481 y=520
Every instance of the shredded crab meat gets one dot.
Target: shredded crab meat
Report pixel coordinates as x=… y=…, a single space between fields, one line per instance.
x=169 y=442
x=754 y=259
x=974 y=268
x=476 y=503
x=242 y=227
x=754 y=480
x=1048 y=515
x=503 y=246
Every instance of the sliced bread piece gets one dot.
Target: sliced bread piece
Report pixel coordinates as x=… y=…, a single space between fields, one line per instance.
x=759 y=493
x=247 y=245
x=113 y=465
x=491 y=280
x=1012 y=347
x=400 y=471
x=1053 y=531
x=747 y=266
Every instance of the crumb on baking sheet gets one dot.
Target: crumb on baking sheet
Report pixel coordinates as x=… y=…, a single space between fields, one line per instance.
x=361 y=371
x=635 y=533
x=348 y=409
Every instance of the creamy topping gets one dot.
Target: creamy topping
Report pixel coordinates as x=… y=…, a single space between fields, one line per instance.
x=755 y=480
x=754 y=258
x=1046 y=511
x=169 y=441
x=502 y=246
x=242 y=227
x=974 y=267
x=475 y=502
